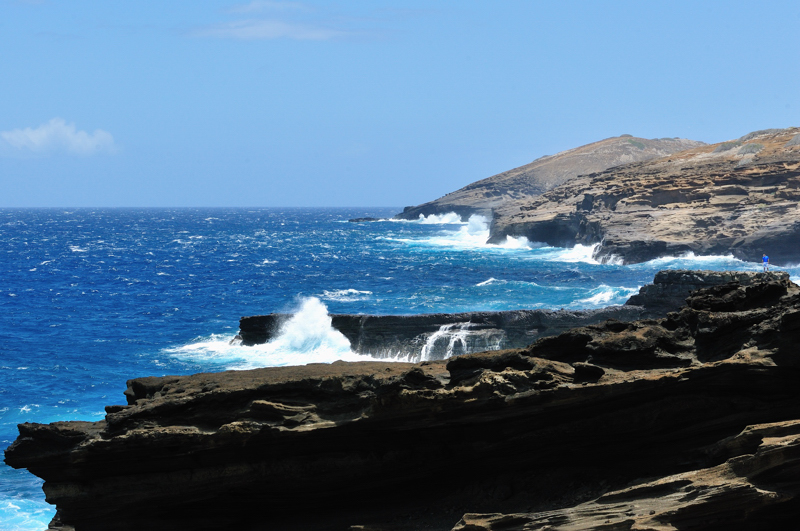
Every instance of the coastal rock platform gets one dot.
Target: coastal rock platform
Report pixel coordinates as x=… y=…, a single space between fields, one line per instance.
x=685 y=422
x=442 y=335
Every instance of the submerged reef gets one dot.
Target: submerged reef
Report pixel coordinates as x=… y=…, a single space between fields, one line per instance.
x=688 y=421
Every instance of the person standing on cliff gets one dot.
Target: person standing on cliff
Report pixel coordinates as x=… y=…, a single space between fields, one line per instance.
x=765 y=261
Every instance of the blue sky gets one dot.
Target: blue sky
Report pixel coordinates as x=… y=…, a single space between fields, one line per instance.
x=363 y=103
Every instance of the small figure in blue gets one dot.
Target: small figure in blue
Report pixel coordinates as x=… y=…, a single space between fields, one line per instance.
x=765 y=261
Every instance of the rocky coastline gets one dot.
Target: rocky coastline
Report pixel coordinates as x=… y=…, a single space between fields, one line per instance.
x=427 y=337
x=430 y=337
x=687 y=421
x=515 y=187
x=740 y=198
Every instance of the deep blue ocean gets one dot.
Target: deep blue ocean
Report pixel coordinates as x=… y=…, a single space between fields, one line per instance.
x=92 y=297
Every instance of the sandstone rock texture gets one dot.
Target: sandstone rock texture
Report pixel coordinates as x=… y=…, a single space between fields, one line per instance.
x=691 y=421
x=525 y=182
x=739 y=197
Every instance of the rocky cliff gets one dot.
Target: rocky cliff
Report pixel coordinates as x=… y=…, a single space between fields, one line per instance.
x=685 y=422
x=525 y=182
x=738 y=197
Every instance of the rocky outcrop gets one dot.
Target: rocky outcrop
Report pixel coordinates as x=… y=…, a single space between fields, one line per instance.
x=363 y=220
x=755 y=489
x=426 y=337
x=441 y=335
x=525 y=182
x=671 y=287
x=739 y=197
x=686 y=422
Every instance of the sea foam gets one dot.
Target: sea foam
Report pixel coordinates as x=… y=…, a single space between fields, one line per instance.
x=473 y=234
x=450 y=218
x=605 y=295
x=306 y=337
x=578 y=253
x=345 y=295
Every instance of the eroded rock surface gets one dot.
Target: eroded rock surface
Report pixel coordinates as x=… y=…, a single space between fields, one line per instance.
x=685 y=422
x=671 y=287
x=512 y=187
x=739 y=197
x=754 y=490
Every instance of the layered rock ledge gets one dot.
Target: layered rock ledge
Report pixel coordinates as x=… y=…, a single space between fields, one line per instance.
x=442 y=335
x=686 y=422
x=739 y=197
x=439 y=336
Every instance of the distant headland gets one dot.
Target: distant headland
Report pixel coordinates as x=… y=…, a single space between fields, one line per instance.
x=641 y=199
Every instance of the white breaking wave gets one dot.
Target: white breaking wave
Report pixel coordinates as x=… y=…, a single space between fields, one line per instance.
x=21 y=514
x=690 y=260
x=451 y=218
x=473 y=234
x=456 y=339
x=519 y=242
x=578 y=253
x=604 y=295
x=477 y=224
x=612 y=260
x=306 y=337
x=345 y=295
x=452 y=335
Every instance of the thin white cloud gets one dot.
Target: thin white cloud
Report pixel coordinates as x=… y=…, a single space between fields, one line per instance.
x=258 y=6
x=56 y=136
x=270 y=29
x=279 y=19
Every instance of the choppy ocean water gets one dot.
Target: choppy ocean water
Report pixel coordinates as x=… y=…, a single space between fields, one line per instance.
x=92 y=297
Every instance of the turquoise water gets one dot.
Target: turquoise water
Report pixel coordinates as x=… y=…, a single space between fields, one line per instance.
x=92 y=297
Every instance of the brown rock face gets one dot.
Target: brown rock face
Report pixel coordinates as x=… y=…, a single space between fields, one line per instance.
x=747 y=492
x=519 y=185
x=738 y=197
x=686 y=422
